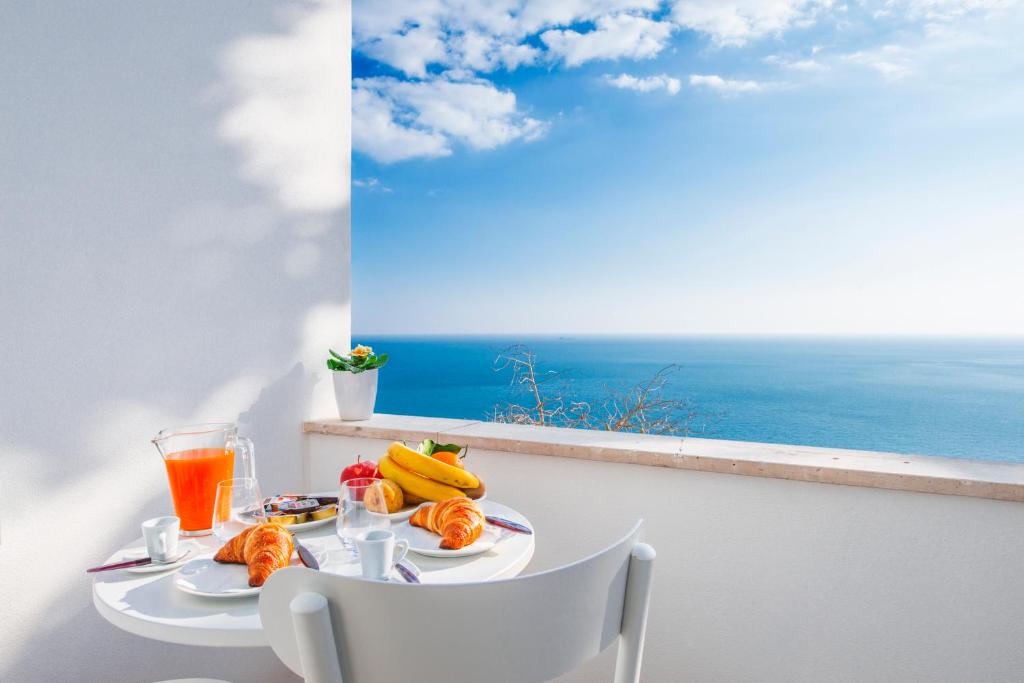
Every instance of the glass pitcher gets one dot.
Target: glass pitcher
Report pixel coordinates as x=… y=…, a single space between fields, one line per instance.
x=197 y=457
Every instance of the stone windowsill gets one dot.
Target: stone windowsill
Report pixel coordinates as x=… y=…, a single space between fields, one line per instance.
x=928 y=474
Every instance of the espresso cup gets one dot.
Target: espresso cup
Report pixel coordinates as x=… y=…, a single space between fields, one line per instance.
x=161 y=534
x=378 y=553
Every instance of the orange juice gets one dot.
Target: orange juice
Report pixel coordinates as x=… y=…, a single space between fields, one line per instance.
x=193 y=476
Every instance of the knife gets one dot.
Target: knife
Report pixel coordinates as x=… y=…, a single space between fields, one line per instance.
x=305 y=556
x=406 y=573
x=120 y=565
x=509 y=524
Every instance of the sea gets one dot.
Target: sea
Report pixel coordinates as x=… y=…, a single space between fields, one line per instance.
x=962 y=398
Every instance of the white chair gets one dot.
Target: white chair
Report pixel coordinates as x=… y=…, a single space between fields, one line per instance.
x=533 y=628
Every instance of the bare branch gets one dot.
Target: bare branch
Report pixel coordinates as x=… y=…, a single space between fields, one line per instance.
x=643 y=408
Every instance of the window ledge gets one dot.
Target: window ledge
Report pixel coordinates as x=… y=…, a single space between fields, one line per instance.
x=926 y=474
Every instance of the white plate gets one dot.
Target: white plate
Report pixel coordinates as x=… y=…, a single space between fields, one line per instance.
x=306 y=526
x=427 y=543
x=403 y=514
x=303 y=526
x=187 y=551
x=206 y=578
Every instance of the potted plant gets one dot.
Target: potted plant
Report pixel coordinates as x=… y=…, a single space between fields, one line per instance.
x=355 y=381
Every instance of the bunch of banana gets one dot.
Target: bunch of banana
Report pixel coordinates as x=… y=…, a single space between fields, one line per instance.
x=422 y=477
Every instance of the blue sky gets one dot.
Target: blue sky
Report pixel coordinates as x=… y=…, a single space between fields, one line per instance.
x=615 y=166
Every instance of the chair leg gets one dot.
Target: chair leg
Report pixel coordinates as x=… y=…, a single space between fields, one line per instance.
x=634 y=614
x=314 y=636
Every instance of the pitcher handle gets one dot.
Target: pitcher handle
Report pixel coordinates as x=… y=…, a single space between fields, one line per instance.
x=248 y=455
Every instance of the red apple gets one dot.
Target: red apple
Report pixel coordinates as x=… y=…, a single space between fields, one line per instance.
x=359 y=470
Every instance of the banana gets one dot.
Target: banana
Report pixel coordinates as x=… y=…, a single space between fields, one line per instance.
x=415 y=484
x=431 y=468
x=478 y=492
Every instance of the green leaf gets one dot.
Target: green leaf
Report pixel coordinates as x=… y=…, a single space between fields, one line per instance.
x=446 y=448
x=355 y=364
x=427 y=447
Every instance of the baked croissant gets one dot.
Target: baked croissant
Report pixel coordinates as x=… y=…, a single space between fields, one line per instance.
x=265 y=548
x=459 y=521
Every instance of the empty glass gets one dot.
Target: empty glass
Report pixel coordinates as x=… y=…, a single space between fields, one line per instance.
x=354 y=515
x=237 y=505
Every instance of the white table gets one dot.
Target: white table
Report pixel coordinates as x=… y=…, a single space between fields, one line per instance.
x=149 y=605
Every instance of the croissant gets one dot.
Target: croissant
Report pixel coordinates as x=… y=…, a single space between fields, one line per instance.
x=265 y=548
x=459 y=521
x=233 y=550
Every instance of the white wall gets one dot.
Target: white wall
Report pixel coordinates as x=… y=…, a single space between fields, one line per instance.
x=174 y=209
x=766 y=580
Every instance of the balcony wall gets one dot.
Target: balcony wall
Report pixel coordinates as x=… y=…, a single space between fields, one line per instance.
x=761 y=578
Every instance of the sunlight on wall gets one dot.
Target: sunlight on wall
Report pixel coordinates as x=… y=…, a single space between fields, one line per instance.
x=286 y=109
x=183 y=294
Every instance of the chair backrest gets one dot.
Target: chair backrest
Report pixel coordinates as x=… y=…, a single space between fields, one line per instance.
x=530 y=628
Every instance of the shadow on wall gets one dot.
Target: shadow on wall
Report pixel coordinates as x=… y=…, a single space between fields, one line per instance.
x=279 y=455
x=161 y=281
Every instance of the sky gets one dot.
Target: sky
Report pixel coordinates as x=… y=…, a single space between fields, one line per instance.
x=688 y=167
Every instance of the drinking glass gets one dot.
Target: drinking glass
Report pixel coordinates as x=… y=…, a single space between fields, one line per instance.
x=354 y=515
x=237 y=505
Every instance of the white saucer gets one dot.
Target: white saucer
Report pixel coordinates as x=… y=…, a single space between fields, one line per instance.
x=187 y=551
x=395 y=576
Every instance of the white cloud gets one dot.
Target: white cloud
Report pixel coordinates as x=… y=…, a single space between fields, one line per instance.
x=445 y=45
x=443 y=48
x=892 y=61
x=951 y=10
x=371 y=185
x=375 y=131
x=484 y=36
x=726 y=86
x=410 y=51
x=803 y=65
x=644 y=84
x=395 y=120
x=736 y=22
x=622 y=35
x=285 y=105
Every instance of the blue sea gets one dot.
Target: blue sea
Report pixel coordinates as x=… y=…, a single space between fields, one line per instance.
x=953 y=397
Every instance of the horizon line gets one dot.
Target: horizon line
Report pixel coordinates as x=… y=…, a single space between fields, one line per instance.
x=695 y=335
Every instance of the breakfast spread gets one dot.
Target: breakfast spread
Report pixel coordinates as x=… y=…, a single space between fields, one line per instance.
x=264 y=548
x=426 y=490
x=459 y=521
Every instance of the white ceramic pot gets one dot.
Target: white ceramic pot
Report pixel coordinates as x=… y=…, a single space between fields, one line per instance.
x=355 y=392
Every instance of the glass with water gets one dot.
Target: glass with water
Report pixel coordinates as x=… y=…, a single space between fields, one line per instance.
x=355 y=515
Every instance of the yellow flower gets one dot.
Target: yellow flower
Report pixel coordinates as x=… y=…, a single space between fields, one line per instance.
x=361 y=351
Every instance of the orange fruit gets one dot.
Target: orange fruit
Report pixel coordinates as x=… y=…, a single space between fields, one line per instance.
x=450 y=458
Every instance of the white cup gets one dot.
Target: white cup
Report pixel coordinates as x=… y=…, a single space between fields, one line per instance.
x=378 y=553
x=161 y=534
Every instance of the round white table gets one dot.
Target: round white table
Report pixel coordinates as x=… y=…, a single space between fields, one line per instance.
x=150 y=605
